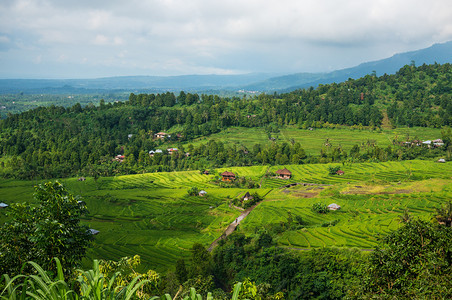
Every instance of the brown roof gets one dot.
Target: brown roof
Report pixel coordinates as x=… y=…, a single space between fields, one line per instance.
x=284 y=172
x=226 y=173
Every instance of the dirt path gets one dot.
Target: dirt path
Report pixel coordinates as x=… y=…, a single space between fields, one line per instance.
x=232 y=227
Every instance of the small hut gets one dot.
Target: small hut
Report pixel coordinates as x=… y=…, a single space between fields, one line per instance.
x=202 y=193
x=247 y=197
x=340 y=172
x=334 y=206
x=284 y=174
x=93 y=231
x=3 y=205
x=228 y=176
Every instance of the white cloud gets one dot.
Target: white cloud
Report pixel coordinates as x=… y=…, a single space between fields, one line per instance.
x=179 y=36
x=101 y=40
x=4 y=39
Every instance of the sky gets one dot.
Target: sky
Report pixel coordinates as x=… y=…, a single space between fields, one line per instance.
x=104 y=38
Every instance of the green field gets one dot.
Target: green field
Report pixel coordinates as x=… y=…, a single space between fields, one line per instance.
x=313 y=141
x=151 y=214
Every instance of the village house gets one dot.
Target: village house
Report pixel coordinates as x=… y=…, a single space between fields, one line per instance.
x=152 y=152
x=438 y=143
x=3 y=205
x=340 y=172
x=119 y=158
x=441 y=160
x=160 y=135
x=228 y=176
x=172 y=150
x=284 y=174
x=247 y=197
x=202 y=193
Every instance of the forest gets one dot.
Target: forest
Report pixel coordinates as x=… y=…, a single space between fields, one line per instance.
x=54 y=141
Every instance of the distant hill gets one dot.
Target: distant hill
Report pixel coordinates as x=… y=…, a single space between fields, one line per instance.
x=261 y=82
x=190 y=83
x=440 y=53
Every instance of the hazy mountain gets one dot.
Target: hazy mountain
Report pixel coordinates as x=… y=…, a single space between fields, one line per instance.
x=131 y=83
x=440 y=53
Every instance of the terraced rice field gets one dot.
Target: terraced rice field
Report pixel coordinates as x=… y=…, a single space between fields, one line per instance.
x=151 y=214
x=313 y=141
x=371 y=196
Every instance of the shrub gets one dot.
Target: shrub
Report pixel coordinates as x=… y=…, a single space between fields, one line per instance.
x=194 y=191
x=320 y=208
x=331 y=223
x=39 y=233
x=333 y=170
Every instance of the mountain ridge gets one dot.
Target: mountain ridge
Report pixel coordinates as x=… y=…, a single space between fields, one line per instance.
x=251 y=82
x=439 y=53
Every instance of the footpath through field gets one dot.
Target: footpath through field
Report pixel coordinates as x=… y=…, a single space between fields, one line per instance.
x=232 y=227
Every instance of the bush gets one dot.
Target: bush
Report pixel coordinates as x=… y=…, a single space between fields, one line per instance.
x=331 y=223
x=320 y=208
x=39 y=233
x=194 y=191
x=333 y=170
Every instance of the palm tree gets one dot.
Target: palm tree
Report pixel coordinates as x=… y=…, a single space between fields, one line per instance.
x=444 y=214
x=405 y=217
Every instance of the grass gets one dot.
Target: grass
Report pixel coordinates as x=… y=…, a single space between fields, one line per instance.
x=151 y=214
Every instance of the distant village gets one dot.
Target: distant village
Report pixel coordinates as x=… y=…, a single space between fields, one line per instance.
x=162 y=136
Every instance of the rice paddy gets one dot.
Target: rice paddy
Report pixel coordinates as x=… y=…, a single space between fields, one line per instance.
x=152 y=215
x=313 y=141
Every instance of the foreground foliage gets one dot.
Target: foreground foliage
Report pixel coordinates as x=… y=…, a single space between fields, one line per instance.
x=38 y=233
x=90 y=284
x=412 y=262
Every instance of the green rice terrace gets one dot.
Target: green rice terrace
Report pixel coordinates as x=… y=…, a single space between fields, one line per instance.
x=313 y=140
x=153 y=216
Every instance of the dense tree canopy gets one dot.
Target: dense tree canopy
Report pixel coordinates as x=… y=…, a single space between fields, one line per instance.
x=412 y=262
